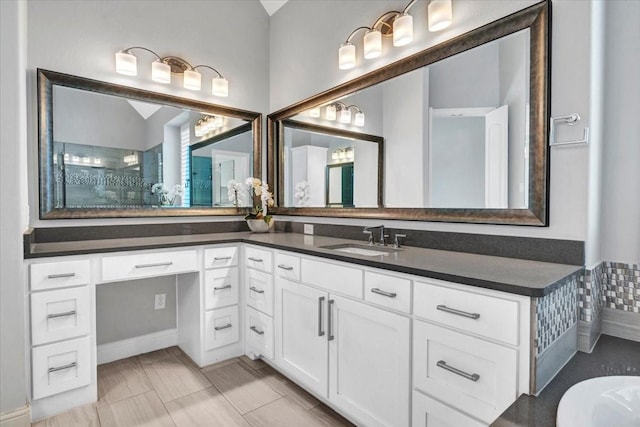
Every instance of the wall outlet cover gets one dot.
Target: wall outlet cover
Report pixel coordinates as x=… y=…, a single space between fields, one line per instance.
x=160 y=301
x=308 y=229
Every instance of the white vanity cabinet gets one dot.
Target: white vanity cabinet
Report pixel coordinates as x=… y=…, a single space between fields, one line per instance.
x=258 y=291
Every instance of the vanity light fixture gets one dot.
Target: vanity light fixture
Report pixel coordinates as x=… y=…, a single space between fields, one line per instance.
x=162 y=67
x=341 y=111
x=396 y=24
x=208 y=124
x=343 y=154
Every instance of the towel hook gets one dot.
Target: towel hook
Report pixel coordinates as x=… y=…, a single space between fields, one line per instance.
x=569 y=119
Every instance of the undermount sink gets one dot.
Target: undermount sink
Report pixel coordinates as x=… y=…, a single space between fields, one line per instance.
x=366 y=250
x=601 y=402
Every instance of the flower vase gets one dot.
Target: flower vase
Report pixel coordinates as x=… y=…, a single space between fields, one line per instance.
x=260 y=226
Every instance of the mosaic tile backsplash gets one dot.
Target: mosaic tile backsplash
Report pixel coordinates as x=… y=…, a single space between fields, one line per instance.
x=556 y=312
x=610 y=284
x=590 y=298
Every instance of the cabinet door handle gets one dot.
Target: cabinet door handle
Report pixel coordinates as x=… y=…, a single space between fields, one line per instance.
x=285 y=267
x=255 y=259
x=221 y=288
x=330 y=336
x=219 y=328
x=221 y=258
x=60 y=276
x=65 y=314
x=384 y=293
x=471 y=377
x=458 y=312
x=320 y=331
x=155 y=264
x=63 y=367
x=256 y=330
x=256 y=290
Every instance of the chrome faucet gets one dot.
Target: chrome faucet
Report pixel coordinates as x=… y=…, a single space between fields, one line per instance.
x=381 y=240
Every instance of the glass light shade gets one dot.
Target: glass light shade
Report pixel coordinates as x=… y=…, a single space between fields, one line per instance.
x=198 y=129
x=403 y=30
x=314 y=112
x=192 y=80
x=330 y=112
x=349 y=153
x=97 y=161
x=219 y=121
x=220 y=86
x=334 y=155
x=160 y=72
x=211 y=124
x=345 y=115
x=126 y=64
x=346 y=56
x=372 y=44
x=440 y=14
x=359 y=119
x=342 y=155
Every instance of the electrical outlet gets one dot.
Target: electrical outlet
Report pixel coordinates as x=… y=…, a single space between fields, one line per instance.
x=160 y=301
x=308 y=229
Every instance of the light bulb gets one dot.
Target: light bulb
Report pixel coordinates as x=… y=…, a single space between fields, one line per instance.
x=160 y=72
x=372 y=44
x=359 y=119
x=330 y=112
x=440 y=14
x=346 y=56
x=192 y=79
x=220 y=86
x=403 y=30
x=345 y=115
x=314 y=112
x=126 y=64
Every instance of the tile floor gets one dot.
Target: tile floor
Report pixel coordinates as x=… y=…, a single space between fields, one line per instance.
x=165 y=388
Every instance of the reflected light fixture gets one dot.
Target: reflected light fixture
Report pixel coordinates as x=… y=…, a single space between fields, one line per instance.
x=330 y=112
x=163 y=67
x=440 y=14
x=314 y=112
x=343 y=154
x=341 y=111
x=207 y=124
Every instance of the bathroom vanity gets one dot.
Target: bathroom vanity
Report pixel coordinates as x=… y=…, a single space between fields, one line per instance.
x=395 y=339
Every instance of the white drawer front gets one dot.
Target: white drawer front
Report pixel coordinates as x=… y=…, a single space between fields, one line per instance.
x=60 y=367
x=484 y=315
x=222 y=327
x=259 y=291
x=439 y=351
x=388 y=291
x=135 y=266
x=428 y=412
x=260 y=259
x=59 y=315
x=51 y=275
x=221 y=287
x=332 y=277
x=220 y=257
x=288 y=266
x=259 y=330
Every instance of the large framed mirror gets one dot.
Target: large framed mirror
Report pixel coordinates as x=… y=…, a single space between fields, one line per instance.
x=464 y=123
x=113 y=151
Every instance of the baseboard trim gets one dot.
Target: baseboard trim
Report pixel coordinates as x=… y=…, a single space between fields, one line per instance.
x=555 y=357
x=133 y=346
x=621 y=324
x=589 y=333
x=19 y=417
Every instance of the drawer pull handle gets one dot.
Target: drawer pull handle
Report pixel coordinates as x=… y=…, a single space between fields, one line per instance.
x=256 y=330
x=60 y=276
x=330 y=336
x=285 y=267
x=256 y=290
x=255 y=259
x=65 y=314
x=219 y=328
x=221 y=258
x=320 y=331
x=458 y=312
x=63 y=367
x=155 y=264
x=384 y=293
x=471 y=377
x=221 y=288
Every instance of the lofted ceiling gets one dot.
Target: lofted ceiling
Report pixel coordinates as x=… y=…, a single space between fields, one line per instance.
x=272 y=6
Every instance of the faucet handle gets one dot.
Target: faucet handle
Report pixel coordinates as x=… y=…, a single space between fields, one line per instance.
x=396 y=242
x=370 y=239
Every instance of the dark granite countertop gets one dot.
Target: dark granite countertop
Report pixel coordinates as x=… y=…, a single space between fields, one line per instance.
x=524 y=277
x=611 y=356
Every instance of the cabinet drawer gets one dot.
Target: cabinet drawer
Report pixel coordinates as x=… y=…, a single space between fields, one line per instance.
x=221 y=287
x=260 y=259
x=60 y=367
x=288 y=266
x=259 y=291
x=59 y=315
x=428 y=412
x=388 y=291
x=259 y=329
x=332 y=277
x=484 y=315
x=485 y=382
x=124 y=267
x=222 y=327
x=220 y=257
x=51 y=275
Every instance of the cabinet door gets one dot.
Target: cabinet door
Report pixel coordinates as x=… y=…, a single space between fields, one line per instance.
x=301 y=338
x=369 y=362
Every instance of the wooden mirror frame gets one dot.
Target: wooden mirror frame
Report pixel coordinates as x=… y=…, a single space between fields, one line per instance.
x=537 y=19
x=46 y=81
